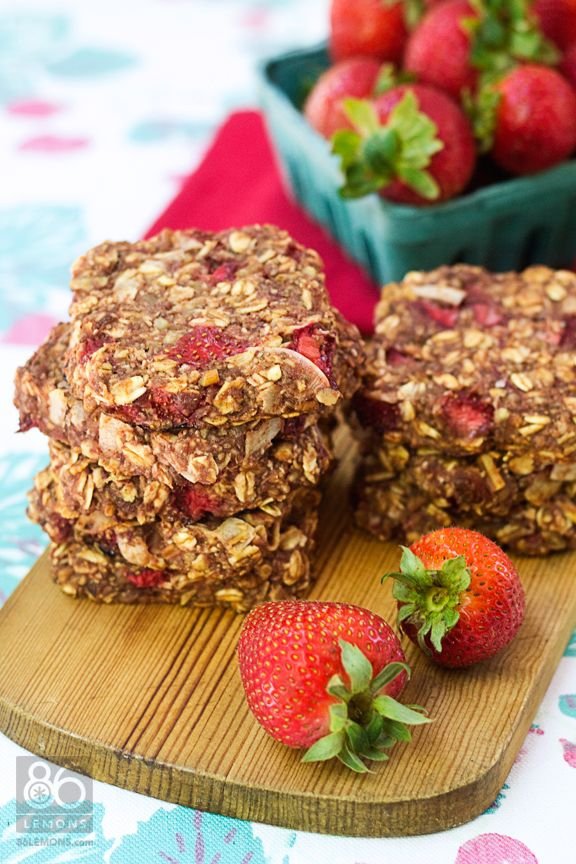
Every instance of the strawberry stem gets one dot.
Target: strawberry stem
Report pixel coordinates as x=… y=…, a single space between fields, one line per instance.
x=481 y=108
x=436 y=599
x=364 y=722
x=504 y=33
x=390 y=76
x=429 y=600
x=414 y=10
x=373 y=154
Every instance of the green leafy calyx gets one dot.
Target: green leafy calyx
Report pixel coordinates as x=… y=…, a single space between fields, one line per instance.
x=429 y=599
x=414 y=10
x=390 y=76
x=372 y=154
x=364 y=722
x=504 y=33
x=482 y=110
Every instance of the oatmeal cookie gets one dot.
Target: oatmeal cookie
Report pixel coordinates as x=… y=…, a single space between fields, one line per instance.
x=171 y=541
x=530 y=516
x=244 y=465
x=194 y=486
x=280 y=570
x=465 y=361
x=195 y=327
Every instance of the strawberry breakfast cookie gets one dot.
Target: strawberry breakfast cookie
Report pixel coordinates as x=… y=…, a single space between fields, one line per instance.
x=236 y=563
x=208 y=472
x=191 y=327
x=180 y=491
x=199 y=558
x=281 y=452
x=455 y=417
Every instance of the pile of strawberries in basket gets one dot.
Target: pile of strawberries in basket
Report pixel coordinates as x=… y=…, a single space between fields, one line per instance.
x=426 y=98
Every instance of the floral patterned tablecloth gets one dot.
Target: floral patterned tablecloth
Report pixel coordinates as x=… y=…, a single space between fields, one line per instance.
x=104 y=108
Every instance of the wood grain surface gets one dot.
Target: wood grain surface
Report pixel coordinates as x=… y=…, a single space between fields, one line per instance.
x=149 y=698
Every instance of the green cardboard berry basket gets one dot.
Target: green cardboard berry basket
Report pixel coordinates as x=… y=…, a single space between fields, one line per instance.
x=504 y=226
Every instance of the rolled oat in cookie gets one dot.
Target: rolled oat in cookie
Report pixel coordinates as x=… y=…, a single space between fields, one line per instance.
x=194 y=327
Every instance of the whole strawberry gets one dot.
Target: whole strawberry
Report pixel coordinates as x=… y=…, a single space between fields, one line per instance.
x=459 y=596
x=450 y=68
x=413 y=144
x=371 y=28
x=354 y=77
x=535 y=119
x=325 y=676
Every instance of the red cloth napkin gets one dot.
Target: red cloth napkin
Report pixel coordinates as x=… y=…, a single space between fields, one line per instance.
x=238 y=183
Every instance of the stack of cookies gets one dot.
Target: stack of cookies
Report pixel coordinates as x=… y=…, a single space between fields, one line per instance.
x=467 y=413
x=186 y=403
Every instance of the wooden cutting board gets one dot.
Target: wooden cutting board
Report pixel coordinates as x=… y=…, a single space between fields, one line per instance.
x=149 y=698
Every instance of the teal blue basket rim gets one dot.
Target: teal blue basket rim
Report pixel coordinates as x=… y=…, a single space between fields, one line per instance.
x=493 y=197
